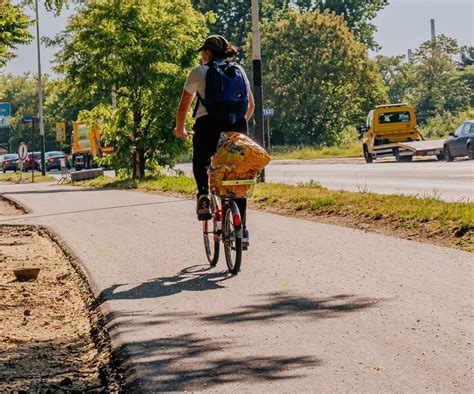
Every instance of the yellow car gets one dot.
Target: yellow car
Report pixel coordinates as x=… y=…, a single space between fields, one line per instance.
x=387 y=127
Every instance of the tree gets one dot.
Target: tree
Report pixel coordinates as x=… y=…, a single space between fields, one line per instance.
x=14 y=25
x=397 y=76
x=143 y=49
x=21 y=92
x=437 y=89
x=465 y=79
x=321 y=82
x=356 y=13
x=233 y=18
x=467 y=57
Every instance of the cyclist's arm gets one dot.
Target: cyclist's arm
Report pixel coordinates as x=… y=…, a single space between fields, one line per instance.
x=183 y=108
x=249 y=113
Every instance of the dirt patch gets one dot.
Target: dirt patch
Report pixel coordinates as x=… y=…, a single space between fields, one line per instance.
x=47 y=335
x=10 y=208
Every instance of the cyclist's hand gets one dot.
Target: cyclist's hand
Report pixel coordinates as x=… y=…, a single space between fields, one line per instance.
x=180 y=133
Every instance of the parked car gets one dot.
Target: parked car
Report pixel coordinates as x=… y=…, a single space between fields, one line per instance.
x=8 y=162
x=33 y=159
x=53 y=160
x=461 y=142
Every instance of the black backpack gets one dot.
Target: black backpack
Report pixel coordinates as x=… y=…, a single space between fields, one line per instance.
x=227 y=98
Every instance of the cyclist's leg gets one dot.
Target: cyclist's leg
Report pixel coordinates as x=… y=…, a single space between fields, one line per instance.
x=205 y=142
x=241 y=126
x=242 y=204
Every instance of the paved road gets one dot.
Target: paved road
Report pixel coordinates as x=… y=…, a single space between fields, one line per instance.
x=449 y=181
x=315 y=308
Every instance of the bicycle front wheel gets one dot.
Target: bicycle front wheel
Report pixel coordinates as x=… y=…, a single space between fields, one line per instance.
x=232 y=237
x=211 y=233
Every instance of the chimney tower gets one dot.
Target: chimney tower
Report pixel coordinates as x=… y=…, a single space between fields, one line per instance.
x=433 y=31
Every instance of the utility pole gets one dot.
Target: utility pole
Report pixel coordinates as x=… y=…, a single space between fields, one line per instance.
x=40 y=94
x=257 y=79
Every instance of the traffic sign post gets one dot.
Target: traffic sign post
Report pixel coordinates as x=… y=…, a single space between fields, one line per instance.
x=60 y=134
x=267 y=113
x=22 y=155
x=22 y=151
x=31 y=120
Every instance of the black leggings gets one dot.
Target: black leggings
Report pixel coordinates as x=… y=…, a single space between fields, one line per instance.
x=206 y=137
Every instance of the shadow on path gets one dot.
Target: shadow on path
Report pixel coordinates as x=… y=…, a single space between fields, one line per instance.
x=283 y=305
x=194 y=278
x=195 y=361
x=191 y=362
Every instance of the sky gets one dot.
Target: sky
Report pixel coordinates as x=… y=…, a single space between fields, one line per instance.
x=402 y=25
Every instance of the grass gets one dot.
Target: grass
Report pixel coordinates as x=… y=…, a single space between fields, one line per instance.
x=304 y=152
x=308 y=152
x=181 y=185
x=26 y=177
x=425 y=219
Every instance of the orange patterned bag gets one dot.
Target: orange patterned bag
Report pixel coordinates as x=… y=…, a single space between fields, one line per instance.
x=236 y=164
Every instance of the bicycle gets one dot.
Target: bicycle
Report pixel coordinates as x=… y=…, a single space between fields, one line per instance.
x=225 y=225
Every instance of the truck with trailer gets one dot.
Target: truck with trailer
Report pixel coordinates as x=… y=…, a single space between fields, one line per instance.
x=86 y=146
x=392 y=130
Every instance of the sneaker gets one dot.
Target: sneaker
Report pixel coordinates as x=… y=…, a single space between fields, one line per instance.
x=245 y=239
x=203 y=209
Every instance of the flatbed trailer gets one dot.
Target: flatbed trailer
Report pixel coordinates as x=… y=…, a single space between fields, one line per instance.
x=405 y=151
x=392 y=130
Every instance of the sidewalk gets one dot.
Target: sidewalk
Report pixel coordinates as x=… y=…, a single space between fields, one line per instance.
x=315 y=307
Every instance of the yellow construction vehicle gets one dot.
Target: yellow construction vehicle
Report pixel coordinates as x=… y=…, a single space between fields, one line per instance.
x=87 y=146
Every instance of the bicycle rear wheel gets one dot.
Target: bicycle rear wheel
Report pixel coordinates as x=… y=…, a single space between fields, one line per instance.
x=232 y=236
x=211 y=233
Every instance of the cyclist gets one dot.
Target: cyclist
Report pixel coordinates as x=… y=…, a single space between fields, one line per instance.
x=207 y=128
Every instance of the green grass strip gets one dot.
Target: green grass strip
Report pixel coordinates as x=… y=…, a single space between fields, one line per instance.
x=308 y=153
x=14 y=177
x=451 y=222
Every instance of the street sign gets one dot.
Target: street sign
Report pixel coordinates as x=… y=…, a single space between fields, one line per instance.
x=22 y=151
x=5 y=115
x=268 y=112
x=61 y=132
x=29 y=119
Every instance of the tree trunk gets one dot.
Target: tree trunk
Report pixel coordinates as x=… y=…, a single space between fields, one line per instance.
x=136 y=165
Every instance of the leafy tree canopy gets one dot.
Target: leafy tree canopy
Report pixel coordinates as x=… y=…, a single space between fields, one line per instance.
x=432 y=80
x=436 y=88
x=321 y=83
x=467 y=57
x=14 y=25
x=144 y=49
x=22 y=93
x=233 y=18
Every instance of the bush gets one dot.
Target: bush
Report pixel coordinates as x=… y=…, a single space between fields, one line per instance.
x=441 y=125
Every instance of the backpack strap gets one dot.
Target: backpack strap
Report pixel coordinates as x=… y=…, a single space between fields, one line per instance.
x=196 y=106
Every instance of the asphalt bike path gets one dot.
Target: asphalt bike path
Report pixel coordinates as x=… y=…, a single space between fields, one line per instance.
x=316 y=307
